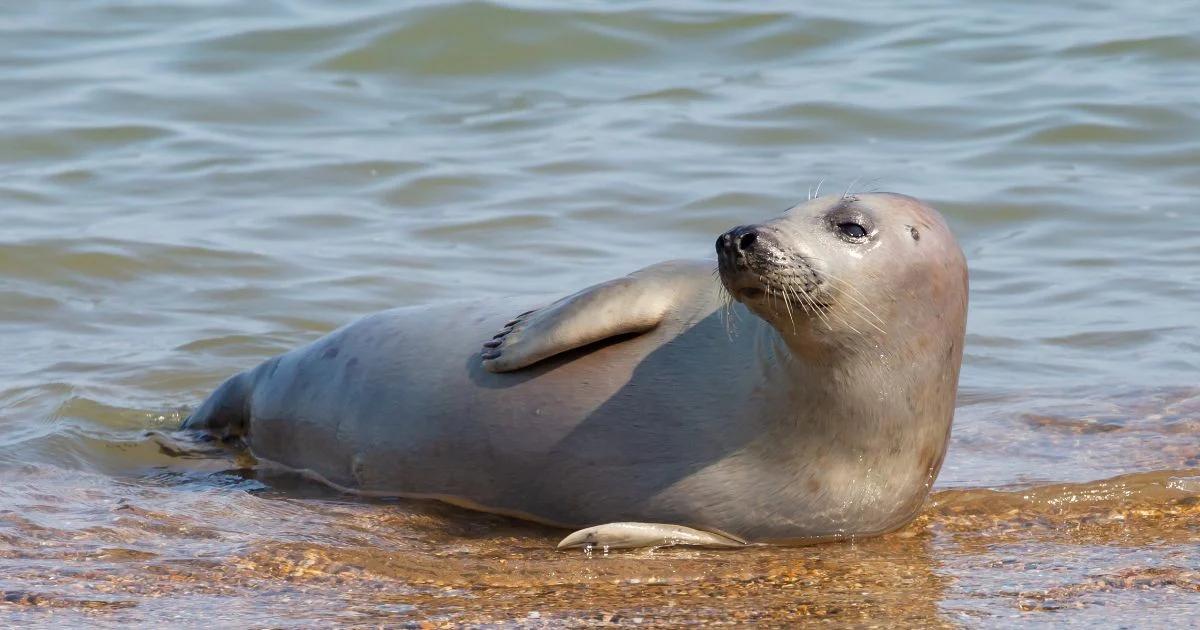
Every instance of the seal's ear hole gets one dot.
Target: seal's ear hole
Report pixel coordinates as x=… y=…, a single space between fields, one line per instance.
x=916 y=234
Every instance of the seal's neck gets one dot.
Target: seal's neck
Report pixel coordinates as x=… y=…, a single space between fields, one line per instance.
x=876 y=384
x=862 y=423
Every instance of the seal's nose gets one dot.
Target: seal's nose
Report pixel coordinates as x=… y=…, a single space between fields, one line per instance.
x=740 y=239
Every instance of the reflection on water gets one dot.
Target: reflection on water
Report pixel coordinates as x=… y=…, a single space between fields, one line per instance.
x=188 y=188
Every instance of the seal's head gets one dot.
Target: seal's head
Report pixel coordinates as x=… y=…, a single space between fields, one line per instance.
x=869 y=294
x=843 y=271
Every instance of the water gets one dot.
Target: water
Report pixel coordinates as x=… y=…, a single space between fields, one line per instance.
x=189 y=187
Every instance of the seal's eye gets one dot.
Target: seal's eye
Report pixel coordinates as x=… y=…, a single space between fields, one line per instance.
x=853 y=230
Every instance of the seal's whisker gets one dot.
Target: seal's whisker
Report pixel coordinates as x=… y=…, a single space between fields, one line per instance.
x=820 y=315
x=859 y=312
x=787 y=305
x=731 y=313
x=841 y=320
x=801 y=301
x=848 y=291
x=773 y=294
x=826 y=273
x=817 y=192
x=807 y=304
x=852 y=183
x=847 y=324
x=844 y=285
x=823 y=315
x=866 y=319
x=869 y=322
x=728 y=315
x=816 y=309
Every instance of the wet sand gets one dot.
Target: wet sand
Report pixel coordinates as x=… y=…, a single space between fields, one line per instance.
x=280 y=551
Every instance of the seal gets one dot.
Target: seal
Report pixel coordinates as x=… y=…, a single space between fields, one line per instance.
x=804 y=393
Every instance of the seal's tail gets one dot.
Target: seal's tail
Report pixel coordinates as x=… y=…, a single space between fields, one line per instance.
x=225 y=413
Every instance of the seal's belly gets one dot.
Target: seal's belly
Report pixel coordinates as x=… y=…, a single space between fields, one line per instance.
x=398 y=403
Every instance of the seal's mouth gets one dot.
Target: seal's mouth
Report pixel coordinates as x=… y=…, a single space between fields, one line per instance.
x=751 y=293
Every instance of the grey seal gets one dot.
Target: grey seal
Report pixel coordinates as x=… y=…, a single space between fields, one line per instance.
x=802 y=391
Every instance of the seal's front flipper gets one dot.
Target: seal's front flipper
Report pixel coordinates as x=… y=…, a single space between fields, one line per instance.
x=633 y=535
x=633 y=304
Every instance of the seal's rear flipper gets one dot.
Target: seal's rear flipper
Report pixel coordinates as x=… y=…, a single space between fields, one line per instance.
x=225 y=413
x=633 y=535
x=633 y=304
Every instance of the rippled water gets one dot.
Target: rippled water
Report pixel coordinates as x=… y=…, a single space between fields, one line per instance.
x=189 y=187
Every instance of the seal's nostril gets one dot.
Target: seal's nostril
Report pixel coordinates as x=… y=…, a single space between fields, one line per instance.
x=739 y=240
x=747 y=240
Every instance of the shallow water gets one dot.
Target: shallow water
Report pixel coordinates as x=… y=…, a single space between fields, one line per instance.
x=187 y=188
